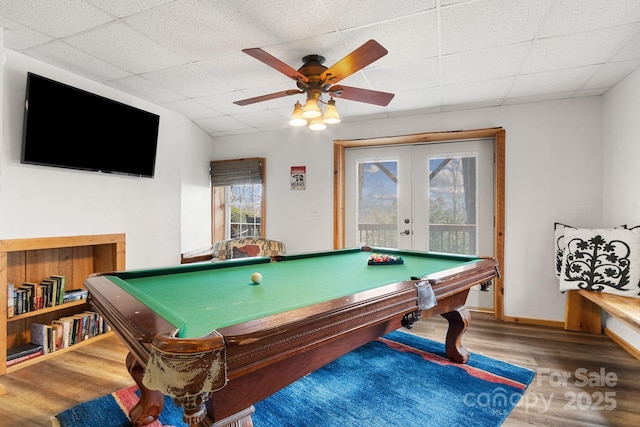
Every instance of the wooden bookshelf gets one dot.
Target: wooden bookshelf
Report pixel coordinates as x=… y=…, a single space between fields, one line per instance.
x=42 y=357
x=40 y=312
x=32 y=260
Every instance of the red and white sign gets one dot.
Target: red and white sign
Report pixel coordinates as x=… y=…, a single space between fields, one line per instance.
x=298 y=177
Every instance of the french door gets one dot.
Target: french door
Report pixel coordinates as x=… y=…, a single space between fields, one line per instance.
x=425 y=197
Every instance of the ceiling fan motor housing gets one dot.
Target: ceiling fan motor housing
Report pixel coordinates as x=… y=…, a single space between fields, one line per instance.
x=312 y=68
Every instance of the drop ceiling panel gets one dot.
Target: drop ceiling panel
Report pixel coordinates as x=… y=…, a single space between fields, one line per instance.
x=576 y=50
x=576 y=16
x=19 y=36
x=188 y=80
x=192 y=109
x=210 y=32
x=125 y=48
x=485 y=24
x=486 y=64
x=407 y=39
x=145 y=89
x=443 y=54
x=273 y=22
x=241 y=71
x=415 y=75
x=54 y=18
x=122 y=8
x=552 y=81
x=64 y=56
x=478 y=91
x=610 y=74
x=356 y=13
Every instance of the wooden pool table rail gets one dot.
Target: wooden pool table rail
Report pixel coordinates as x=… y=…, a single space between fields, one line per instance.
x=264 y=355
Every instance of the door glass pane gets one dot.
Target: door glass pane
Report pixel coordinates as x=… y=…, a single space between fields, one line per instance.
x=452 y=204
x=378 y=203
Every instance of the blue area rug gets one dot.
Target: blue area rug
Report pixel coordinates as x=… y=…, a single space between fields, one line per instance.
x=398 y=380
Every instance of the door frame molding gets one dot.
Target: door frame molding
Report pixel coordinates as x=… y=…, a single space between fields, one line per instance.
x=498 y=136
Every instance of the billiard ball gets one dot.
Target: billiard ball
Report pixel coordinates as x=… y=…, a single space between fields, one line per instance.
x=256 y=278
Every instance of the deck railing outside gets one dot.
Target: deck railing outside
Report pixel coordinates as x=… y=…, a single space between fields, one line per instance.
x=378 y=235
x=447 y=238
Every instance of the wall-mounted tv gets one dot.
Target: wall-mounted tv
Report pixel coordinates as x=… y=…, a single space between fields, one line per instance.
x=70 y=128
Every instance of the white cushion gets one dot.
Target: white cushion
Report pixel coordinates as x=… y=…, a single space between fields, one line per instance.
x=602 y=260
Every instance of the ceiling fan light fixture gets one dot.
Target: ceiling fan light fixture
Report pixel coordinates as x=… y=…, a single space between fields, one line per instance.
x=331 y=115
x=311 y=109
x=314 y=80
x=317 y=124
x=296 y=118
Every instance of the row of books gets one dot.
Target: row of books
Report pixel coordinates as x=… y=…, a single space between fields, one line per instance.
x=59 y=334
x=48 y=293
x=67 y=331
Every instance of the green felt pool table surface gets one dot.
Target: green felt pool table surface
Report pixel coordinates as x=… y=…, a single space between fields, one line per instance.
x=198 y=299
x=218 y=343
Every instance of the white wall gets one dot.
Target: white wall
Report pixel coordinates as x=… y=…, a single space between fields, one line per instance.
x=196 y=153
x=38 y=201
x=621 y=151
x=554 y=172
x=548 y=145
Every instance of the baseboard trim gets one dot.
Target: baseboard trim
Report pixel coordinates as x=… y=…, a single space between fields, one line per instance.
x=622 y=343
x=560 y=324
x=531 y=321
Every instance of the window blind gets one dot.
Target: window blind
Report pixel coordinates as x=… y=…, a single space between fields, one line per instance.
x=236 y=172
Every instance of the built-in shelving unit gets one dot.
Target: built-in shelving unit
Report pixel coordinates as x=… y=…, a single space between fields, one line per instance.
x=32 y=260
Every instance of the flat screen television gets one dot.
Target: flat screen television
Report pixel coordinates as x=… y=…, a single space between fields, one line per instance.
x=71 y=128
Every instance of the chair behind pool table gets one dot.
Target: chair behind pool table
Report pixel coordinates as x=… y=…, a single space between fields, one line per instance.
x=236 y=248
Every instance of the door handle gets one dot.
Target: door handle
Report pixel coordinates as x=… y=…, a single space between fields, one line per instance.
x=405 y=232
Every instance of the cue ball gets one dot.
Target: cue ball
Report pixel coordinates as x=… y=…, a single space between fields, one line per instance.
x=256 y=278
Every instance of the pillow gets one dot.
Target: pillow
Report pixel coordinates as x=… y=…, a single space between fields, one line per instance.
x=244 y=251
x=558 y=238
x=601 y=260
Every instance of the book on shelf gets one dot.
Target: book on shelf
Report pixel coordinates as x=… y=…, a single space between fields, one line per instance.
x=20 y=296
x=10 y=300
x=23 y=358
x=57 y=336
x=82 y=326
x=67 y=324
x=60 y=291
x=23 y=352
x=75 y=295
x=38 y=301
x=41 y=334
x=48 y=291
x=28 y=296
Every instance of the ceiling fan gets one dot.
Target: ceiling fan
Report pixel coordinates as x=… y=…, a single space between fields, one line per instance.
x=315 y=79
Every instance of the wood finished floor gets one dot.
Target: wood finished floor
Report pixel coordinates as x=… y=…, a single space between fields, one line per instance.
x=36 y=393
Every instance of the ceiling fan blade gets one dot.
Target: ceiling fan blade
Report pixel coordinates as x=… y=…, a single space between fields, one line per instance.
x=267 y=97
x=274 y=62
x=358 y=59
x=361 y=95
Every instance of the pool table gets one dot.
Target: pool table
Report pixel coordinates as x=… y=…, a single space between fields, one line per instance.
x=216 y=342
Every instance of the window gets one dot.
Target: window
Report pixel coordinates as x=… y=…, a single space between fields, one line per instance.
x=243 y=204
x=238 y=198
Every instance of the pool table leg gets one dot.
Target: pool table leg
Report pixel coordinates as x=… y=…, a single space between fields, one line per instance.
x=151 y=402
x=458 y=321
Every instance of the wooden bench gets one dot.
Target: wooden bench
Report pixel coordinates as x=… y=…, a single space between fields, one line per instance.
x=584 y=313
